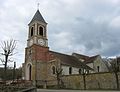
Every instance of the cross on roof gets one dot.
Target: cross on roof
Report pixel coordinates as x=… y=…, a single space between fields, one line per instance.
x=38 y=6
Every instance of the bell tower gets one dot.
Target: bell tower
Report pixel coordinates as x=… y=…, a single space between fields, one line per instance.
x=37 y=50
x=37 y=31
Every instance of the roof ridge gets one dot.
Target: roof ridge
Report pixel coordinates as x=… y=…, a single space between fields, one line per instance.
x=94 y=56
x=60 y=53
x=80 y=54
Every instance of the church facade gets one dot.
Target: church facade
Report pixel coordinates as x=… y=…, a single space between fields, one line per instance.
x=41 y=64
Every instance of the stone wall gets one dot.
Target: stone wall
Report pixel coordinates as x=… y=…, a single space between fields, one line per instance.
x=93 y=81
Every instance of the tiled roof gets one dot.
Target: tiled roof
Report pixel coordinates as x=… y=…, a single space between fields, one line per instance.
x=37 y=17
x=80 y=56
x=70 y=60
x=86 y=59
x=91 y=59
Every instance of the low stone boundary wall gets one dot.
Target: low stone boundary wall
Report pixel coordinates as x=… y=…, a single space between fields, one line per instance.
x=32 y=89
x=92 y=81
x=18 y=89
x=19 y=86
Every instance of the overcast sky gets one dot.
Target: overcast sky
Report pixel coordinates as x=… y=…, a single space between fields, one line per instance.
x=87 y=27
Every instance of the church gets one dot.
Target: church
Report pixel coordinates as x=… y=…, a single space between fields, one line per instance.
x=42 y=65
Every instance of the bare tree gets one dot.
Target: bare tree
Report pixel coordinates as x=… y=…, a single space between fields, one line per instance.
x=8 y=48
x=115 y=70
x=58 y=75
x=84 y=78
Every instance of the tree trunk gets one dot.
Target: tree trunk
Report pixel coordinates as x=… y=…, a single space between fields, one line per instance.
x=58 y=82
x=84 y=81
x=117 y=80
x=14 y=72
x=5 y=68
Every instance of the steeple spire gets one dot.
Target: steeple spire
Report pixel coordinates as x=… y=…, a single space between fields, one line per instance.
x=38 y=17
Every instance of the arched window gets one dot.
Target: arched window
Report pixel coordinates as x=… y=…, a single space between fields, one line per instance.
x=31 y=32
x=53 y=70
x=70 y=70
x=79 y=71
x=29 y=71
x=41 y=31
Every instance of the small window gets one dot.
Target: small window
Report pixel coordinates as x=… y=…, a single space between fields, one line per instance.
x=87 y=71
x=70 y=70
x=31 y=32
x=79 y=71
x=41 y=31
x=53 y=69
x=30 y=51
x=98 y=68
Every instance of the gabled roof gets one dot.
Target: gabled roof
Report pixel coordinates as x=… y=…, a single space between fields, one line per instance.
x=70 y=60
x=86 y=59
x=80 y=56
x=91 y=59
x=37 y=17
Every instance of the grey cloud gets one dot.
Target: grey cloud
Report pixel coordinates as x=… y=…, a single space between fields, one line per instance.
x=93 y=36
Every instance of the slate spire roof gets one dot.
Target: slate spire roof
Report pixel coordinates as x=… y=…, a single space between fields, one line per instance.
x=37 y=17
